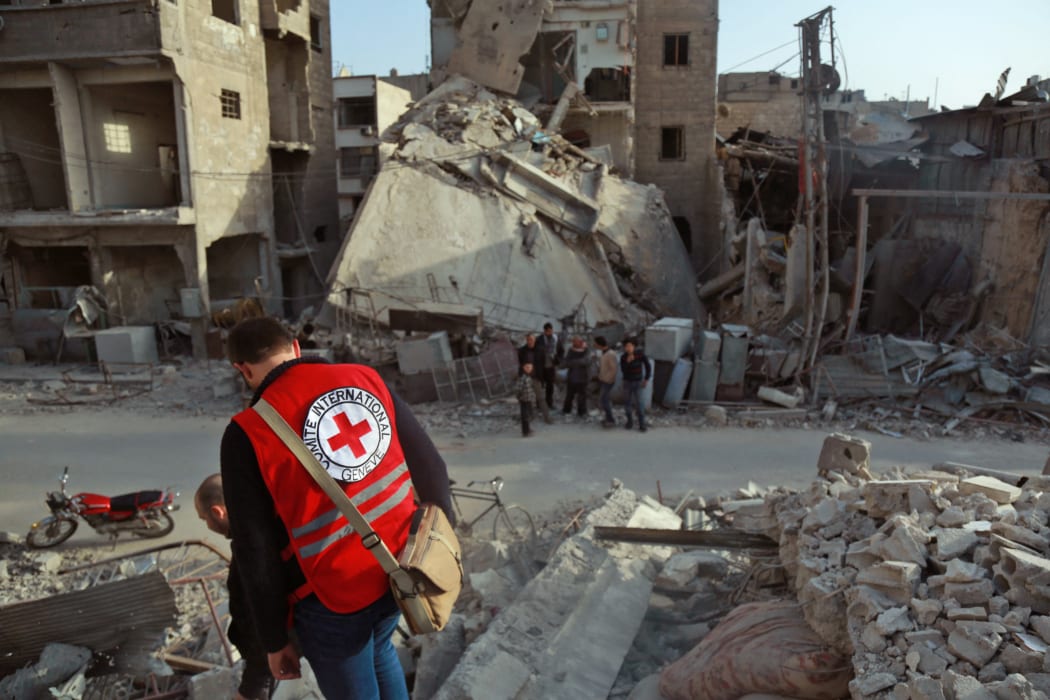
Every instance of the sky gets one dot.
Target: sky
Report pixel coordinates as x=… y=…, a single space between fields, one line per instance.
x=953 y=50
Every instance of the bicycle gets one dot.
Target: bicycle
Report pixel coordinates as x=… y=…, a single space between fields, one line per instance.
x=512 y=522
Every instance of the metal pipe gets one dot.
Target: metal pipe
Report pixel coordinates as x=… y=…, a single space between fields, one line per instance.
x=862 y=264
x=218 y=623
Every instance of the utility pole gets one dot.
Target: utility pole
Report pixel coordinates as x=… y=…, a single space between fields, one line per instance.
x=816 y=79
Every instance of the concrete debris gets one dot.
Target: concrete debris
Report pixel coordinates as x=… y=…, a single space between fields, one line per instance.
x=57 y=664
x=937 y=587
x=532 y=649
x=491 y=201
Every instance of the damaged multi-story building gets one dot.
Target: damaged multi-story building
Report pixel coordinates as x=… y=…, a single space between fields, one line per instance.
x=174 y=155
x=365 y=106
x=633 y=82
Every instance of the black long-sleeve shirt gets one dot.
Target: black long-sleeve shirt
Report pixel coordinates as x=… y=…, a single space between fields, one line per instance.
x=635 y=369
x=259 y=536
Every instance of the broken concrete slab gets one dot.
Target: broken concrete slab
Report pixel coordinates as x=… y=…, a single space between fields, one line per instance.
x=492 y=38
x=846 y=455
x=999 y=491
x=57 y=663
x=977 y=642
x=532 y=649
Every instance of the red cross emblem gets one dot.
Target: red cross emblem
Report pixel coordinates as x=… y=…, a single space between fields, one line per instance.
x=349 y=435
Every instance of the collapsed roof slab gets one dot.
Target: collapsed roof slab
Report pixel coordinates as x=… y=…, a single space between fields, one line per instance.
x=494 y=35
x=487 y=250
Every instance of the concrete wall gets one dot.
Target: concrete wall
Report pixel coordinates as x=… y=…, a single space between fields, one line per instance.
x=680 y=96
x=153 y=269
x=127 y=128
x=608 y=128
x=289 y=89
x=28 y=129
x=591 y=52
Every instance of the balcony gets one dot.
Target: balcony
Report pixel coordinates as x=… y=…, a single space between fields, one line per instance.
x=90 y=29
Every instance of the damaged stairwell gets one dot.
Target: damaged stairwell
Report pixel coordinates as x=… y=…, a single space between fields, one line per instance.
x=514 y=220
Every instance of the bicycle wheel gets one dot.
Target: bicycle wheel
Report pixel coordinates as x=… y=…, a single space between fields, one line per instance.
x=50 y=532
x=513 y=523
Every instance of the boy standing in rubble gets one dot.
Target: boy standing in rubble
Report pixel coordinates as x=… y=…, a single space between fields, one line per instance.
x=606 y=379
x=526 y=397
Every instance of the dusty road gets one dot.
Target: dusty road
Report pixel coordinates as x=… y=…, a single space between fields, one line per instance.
x=111 y=452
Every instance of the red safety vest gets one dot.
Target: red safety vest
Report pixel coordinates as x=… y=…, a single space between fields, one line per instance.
x=345 y=415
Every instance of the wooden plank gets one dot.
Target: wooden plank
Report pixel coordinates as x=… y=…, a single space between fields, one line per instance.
x=717 y=539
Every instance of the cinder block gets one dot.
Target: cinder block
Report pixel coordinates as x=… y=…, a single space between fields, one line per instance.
x=424 y=354
x=710 y=345
x=126 y=345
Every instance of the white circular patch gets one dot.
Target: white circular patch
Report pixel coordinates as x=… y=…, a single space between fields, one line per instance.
x=348 y=431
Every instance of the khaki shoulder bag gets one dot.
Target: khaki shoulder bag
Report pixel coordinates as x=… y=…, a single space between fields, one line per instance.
x=427 y=579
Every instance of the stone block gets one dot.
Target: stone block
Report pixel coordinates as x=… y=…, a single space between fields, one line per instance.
x=924 y=688
x=997 y=605
x=1040 y=624
x=894 y=620
x=954 y=516
x=11 y=538
x=922 y=658
x=976 y=642
x=844 y=454
x=1021 y=535
x=1017 y=659
x=1028 y=576
x=682 y=568
x=871 y=683
x=959 y=571
x=964 y=687
x=970 y=593
x=977 y=613
x=897 y=580
x=926 y=612
x=57 y=663
x=999 y=491
x=992 y=672
x=883 y=499
x=953 y=542
x=906 y=542
x=49 y=562
x=824 y=607
x=1018 y=687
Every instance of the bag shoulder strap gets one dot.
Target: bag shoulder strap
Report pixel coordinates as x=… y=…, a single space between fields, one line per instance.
x=372 y=542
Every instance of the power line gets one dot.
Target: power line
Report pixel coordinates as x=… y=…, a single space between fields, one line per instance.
x=764 y=53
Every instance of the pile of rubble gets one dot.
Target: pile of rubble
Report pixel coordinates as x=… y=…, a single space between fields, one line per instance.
x=937 y=584
x=515 y=221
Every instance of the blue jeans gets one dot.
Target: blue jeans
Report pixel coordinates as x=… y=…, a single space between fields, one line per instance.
x=352 y=655
x=633 y=397
x=605 y=401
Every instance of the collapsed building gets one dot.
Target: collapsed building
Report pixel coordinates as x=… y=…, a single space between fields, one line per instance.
x=141 y=155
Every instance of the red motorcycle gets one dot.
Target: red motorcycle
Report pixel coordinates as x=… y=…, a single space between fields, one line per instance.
x=143 y=513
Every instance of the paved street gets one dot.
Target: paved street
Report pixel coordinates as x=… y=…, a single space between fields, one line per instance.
x=112 y=452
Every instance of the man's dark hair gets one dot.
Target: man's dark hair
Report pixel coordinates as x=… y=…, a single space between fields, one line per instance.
x=255 y=339
x=632 y=341
x=548 y=325
x=210 y=492
x=601 y=342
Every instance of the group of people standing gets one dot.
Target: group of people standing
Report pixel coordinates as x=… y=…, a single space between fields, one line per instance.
x=540 y=357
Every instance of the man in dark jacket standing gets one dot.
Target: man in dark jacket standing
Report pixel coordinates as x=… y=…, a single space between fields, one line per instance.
x=636 y=374
x=531 y=353
x=551 y=346
x=578 y=362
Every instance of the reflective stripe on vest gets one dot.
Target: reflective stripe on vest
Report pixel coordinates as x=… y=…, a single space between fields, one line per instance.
x=358 y=500
x=372 y=514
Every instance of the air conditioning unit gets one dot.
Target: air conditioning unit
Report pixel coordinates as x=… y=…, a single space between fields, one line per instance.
x=368 y=131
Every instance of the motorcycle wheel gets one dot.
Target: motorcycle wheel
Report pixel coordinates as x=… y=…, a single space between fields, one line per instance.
x=157 y=525
x=50 y=532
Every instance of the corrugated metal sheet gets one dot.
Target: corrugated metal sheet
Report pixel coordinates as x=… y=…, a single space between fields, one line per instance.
x=126 y=618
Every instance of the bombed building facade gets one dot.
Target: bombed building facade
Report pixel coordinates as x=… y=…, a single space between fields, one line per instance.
x=142 y=155
x=634 y=81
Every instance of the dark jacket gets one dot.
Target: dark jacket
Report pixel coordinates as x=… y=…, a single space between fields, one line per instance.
x=637 y=369
x=258 y=534
x=533 y=355
x=579 y=364
x=256 y=681
x=552 y=358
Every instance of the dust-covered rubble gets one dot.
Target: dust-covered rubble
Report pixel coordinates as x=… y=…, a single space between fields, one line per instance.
x=937 y=585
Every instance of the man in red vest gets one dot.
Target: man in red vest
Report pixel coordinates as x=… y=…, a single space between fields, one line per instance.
x=369 y=441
